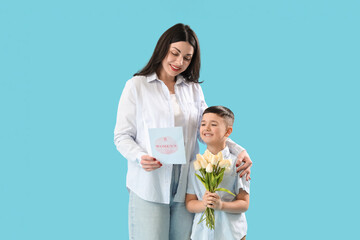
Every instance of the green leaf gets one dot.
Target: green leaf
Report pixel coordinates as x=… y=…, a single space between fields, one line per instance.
x=212 y=218
x=201 y=179
x=221 y=174
x=202 y=217
x=217 y=177
x=207 y=181
x=212 y=182
x=216 y=169
x=224 y=190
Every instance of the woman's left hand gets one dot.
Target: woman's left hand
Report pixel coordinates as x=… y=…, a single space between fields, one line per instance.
x=245 y=168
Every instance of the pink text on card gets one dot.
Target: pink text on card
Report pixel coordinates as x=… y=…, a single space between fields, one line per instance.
x=166 y=145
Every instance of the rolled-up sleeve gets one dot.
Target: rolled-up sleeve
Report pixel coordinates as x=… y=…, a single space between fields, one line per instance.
x=241 y=183
x=233 y=147
x=126 y=126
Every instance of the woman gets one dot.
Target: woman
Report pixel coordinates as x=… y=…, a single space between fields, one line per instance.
x=166 y=93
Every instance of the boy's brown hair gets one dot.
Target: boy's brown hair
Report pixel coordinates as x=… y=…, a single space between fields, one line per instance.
x=222 y=112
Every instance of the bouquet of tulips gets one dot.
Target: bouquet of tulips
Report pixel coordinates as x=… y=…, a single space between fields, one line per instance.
x=212 y=168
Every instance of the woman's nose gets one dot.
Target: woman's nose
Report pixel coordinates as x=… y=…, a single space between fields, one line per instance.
x=179 y=60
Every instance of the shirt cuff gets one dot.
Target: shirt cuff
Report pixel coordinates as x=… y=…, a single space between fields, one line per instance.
x=138 y=157
x=236 y=150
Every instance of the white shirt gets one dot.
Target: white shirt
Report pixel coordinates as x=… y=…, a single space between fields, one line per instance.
x=229 y=226
x=178 y=115
x=146 y=103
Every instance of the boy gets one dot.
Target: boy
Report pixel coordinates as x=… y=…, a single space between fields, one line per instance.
x=230 y=221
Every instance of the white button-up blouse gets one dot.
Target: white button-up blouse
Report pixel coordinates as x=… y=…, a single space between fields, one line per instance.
x=146 y=103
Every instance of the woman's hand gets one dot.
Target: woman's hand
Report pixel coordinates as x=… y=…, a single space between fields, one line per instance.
x=149 y=163
x=244 y=157
x=212 y=200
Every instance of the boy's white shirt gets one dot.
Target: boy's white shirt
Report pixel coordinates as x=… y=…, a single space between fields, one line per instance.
x=227 y=225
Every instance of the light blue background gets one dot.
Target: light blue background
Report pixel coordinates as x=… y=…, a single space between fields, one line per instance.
x=288 y=69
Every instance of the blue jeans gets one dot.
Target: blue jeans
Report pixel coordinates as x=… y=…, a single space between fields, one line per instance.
x=158 y=221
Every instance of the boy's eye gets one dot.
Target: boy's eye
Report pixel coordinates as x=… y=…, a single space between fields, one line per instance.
x=203 y=124
x=214 y=125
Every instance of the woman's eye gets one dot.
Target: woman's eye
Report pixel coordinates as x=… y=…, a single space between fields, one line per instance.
x=187 y=59
x=175 y=53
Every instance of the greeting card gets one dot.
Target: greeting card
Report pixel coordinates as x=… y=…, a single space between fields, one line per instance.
x=167 y=145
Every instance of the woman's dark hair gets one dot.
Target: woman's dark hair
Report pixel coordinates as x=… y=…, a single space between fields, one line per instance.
x=222 y=112
x=176 y=33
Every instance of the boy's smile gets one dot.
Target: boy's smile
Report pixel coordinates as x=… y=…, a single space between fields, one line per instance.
x=206 y=134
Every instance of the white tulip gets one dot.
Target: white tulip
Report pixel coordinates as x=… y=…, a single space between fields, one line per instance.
x=199 y=157
x=209 y=168
x=202 y=161
x=228 y=163
x=214 y=160
x=222 y=163
x=207 y=155
x=225 y=163
x=197 y=165
x=220 y=156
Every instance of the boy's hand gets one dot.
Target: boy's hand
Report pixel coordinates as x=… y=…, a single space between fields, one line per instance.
x=212 y=200
x=244 y=157
x=205 y=198
x=149 y=163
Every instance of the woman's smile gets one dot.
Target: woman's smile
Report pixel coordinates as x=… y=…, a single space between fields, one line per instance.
x=175 y=69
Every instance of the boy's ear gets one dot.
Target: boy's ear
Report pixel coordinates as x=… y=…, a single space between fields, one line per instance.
x=229 y=131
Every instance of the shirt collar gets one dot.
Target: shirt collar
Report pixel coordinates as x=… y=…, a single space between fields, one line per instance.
x=180 y=79
x=226 y=153
x=153 y=76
